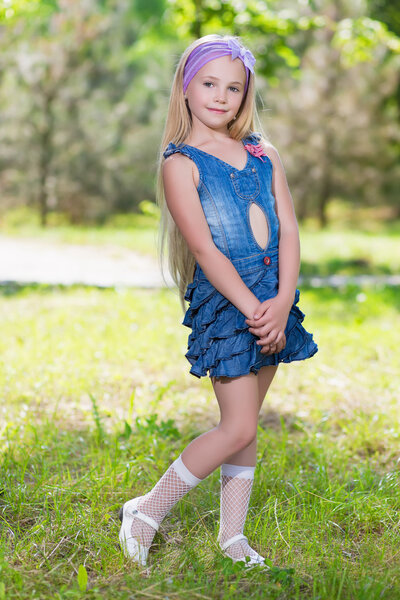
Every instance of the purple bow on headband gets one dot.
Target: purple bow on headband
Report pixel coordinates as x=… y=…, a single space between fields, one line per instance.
x=243 y=53
x=203 y=53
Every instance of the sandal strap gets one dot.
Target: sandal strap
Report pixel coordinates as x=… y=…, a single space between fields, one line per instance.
x=139 y=515
x=232 y=540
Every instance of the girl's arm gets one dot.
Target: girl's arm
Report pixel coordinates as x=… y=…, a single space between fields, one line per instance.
x=289 y=242
x=273 y=313
x=186 y=210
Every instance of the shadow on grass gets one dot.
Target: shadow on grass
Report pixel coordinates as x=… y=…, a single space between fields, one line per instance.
x=379 y=295
x=341 y=266
x=13 y=288
x=347 y=292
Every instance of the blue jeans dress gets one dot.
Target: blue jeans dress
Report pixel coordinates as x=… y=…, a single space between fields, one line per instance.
x=220 y=343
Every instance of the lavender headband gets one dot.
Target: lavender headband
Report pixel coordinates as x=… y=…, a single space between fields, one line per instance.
x=203 y=53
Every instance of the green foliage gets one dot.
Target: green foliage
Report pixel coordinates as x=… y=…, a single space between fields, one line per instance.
x=12 y=11
x=386 y=11
x=97 y=418
x=148 y=9
x=358 y=39
x=93 y=78
x=150 y=209
x=149 y=426
x=82 y=578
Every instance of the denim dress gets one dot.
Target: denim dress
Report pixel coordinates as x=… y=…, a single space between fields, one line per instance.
x=220 y=343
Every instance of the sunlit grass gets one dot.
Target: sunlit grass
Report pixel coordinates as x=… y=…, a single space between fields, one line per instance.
x=82 y=373
x=349 y=252
x=134 y=231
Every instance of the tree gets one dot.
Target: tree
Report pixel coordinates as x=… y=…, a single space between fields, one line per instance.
x=92 y=81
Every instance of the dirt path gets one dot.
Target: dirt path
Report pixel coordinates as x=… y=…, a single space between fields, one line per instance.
x=39 y=261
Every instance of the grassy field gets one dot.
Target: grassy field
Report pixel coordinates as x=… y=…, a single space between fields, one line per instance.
x=96 y=402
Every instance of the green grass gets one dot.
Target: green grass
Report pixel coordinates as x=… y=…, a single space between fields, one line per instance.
x=134 y=231
x=350 y=251
x=97 y=401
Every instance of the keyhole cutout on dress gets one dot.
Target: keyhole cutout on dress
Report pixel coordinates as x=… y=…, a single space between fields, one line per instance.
x=259 y=225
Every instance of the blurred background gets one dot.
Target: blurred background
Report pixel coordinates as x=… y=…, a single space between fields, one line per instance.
x=84 y=89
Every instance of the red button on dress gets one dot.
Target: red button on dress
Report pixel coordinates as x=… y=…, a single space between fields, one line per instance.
x=267 y=260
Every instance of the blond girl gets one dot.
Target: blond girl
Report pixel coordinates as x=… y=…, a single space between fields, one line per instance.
x=233 y=241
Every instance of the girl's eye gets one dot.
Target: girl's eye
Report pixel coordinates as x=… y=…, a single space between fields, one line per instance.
x=232 y=87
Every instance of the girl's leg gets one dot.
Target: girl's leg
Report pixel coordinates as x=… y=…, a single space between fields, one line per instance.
x=237 y=475
x=239 y=405
x=247 y=456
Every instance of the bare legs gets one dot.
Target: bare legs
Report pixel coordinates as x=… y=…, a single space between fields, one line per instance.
x=237 y=475
x=247 y=455
x=234 y=436
x=232 y=443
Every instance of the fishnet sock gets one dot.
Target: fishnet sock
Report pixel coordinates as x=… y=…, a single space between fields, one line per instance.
x=236 y=485
x=173 y=485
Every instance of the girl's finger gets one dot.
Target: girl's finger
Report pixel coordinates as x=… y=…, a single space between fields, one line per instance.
x=260 y=332
x=268 y=350
x=262 y=316
x=257 y=322
x=268 y=339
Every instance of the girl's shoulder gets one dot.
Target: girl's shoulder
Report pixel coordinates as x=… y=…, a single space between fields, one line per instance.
x=176 y=149
x=176 y=165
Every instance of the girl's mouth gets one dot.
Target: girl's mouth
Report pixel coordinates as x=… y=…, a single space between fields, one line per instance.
x=217 y=110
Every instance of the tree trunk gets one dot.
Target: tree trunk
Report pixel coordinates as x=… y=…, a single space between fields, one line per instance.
x=45 y=145
x=301 y=206
x=328 y=110
x=197 y=25
x=324 y=195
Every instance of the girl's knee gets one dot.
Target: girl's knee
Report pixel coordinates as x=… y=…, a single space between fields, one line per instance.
x=240 y=437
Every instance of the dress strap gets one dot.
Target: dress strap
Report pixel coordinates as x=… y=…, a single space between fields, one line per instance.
x=252 y=138
x=181 y=149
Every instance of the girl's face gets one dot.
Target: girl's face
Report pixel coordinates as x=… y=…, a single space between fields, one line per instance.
x=216 y=91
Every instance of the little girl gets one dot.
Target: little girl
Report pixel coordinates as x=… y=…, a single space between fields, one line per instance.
x=234 y=254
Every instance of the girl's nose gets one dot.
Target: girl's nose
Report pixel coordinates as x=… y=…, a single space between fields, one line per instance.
x=220 y=96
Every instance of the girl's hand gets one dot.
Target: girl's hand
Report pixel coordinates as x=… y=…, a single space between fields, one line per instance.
x=269 y=324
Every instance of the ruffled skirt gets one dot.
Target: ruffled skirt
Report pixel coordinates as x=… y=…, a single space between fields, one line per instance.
x=221 y=344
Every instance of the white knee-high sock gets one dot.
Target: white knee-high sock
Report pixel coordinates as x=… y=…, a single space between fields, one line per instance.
x=173 y=485
x=236 y=486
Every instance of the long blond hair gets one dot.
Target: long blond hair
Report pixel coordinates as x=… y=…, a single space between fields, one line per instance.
x=178 y=126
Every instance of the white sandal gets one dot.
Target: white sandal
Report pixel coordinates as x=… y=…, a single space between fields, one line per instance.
x=254 y=560
x=130 y=546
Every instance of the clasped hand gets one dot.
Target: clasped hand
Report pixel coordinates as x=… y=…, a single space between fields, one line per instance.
x=270 y=325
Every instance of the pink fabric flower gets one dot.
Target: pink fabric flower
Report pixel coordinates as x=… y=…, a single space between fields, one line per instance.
x=256 y=150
